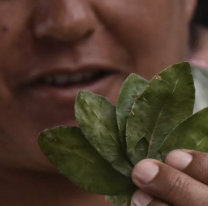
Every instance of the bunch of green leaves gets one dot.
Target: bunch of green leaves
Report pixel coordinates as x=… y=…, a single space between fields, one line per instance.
x=150 y=119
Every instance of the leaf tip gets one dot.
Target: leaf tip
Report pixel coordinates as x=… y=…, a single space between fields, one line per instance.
x=183 y=65
x=48 y=135
x=80 y=93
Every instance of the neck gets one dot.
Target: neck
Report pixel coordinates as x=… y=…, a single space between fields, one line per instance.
x=199 y=55
x=31 y=188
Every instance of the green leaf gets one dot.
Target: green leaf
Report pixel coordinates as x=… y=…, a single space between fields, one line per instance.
x=132 y=88
x=129 y=201
x=191 y=134
x=139 y=152
x=73 y=155
x=120 y=200
x=168 y=99
x=97 y=119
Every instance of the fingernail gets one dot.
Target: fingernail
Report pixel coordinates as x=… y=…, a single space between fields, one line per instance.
x=144 y=172
x=141 y=199
x=178 y=159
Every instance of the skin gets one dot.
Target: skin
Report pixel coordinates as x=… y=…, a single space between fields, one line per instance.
x=175 y=183
x=42 y=37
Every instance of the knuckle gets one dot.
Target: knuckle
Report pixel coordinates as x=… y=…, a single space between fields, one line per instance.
x=202 y=163
x=177 y=183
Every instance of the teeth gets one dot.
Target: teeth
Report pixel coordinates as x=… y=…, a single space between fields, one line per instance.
x=49 y=80
x=89 y=75
x=77 y=78
x=63 y=79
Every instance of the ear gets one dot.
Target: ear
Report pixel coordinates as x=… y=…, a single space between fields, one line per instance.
x=190 y=7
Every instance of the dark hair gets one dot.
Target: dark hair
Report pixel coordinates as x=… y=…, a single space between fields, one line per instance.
x=201 y=15
x=200 y=19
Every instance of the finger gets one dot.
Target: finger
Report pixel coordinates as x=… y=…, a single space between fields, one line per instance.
x=158 y=203
x=168 y=184
x=141 y=198
x=193 y=163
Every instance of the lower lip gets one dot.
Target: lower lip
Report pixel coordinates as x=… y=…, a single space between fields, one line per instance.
x=100 y=86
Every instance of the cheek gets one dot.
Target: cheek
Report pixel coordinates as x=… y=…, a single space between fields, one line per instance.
x=14 y=18
x=150 y=32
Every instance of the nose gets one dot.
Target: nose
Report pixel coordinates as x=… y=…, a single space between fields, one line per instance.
x=64 y=20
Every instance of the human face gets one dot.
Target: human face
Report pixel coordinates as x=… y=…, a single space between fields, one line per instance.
x=49 y=49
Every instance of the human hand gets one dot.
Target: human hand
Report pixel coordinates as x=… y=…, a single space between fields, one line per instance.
x=181 y=181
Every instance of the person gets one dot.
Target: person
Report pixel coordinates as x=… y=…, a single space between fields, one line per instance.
x=49 y=49
x=199 y=53
x=199 y=41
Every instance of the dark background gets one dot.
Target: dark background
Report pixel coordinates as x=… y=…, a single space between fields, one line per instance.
x=201 y=16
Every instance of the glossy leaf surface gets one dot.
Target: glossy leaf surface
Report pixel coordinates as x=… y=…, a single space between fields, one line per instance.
x=190 y=134
x=167 y=100
x=73 y=155
x=132 y=88
x=97 y=119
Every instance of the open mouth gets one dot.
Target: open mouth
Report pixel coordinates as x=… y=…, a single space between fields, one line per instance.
x=70 y=80
x=61 y=85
